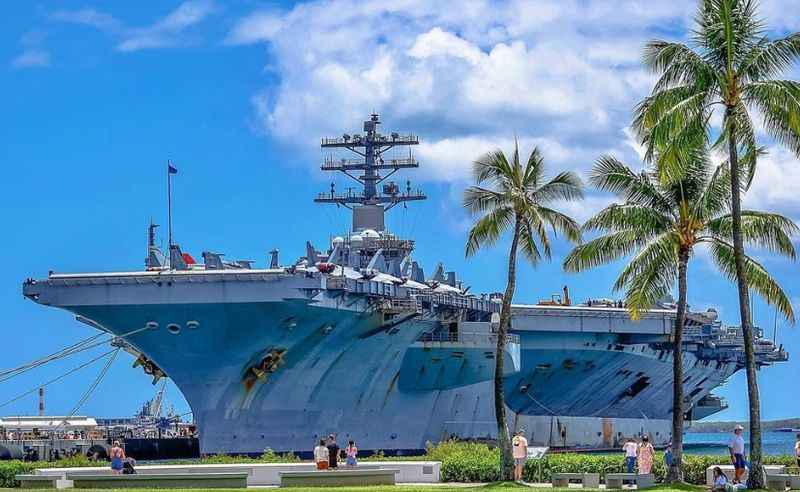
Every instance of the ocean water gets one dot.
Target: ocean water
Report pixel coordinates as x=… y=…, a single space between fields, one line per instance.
x=773 y=443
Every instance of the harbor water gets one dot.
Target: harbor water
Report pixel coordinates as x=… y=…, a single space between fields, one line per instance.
x=773 y=443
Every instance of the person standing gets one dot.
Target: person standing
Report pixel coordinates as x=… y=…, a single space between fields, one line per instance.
x=333 y=452
x=351 y=454
x=668 y=456
x=117 y=455
x=630 y=449
x=797 y=450
x=646 y=454
x=736 y=447
x=520 y=453
x=321 y=455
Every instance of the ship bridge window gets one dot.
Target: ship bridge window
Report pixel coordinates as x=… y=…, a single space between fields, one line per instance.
x=174 y=328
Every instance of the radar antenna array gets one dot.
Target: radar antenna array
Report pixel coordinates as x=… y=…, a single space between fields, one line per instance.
x=370 y=147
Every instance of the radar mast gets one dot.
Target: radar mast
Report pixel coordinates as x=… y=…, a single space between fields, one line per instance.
x=370 y=204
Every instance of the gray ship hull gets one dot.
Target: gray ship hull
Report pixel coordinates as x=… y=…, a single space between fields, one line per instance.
x=340 y=368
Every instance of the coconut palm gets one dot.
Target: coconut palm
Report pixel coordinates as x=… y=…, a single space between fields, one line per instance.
x=512 y=196
x=660 y=223
x=730 y=67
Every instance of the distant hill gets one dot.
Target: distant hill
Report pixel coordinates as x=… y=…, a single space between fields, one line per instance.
x=766 y=425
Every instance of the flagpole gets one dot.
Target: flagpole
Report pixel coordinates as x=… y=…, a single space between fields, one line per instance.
x=169 y=201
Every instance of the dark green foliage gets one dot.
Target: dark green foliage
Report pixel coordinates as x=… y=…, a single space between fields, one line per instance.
x=8 y=469
x=14 y=467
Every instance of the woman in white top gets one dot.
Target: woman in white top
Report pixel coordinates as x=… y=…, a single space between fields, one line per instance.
x=630 y=448
x=321 y=455
x=720 y=480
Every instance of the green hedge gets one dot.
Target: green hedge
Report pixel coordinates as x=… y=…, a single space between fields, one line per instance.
x=15 y=467
x=471 y=462
x=461 y=462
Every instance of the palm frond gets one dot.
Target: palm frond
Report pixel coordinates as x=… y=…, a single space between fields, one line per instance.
x=762 y=229
x=507 y=193
x=612 y=175
x=560 y=223
x=739 y=117
x=662 y=246
x=653 y=280
x=602 y=250
x=778 y=101
x=677 y=111
x=645 y=221
x=478 y=199
x=528 y=234
x=493 y=168
x=566 y=186
x=715 y=197
x=676 y=64
x=534 y=170
x=770 y=58
x=488 y=229
x=757 y=276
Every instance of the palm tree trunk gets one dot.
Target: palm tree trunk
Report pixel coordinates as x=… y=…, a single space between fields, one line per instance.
x=675 y=472
x=503 y=438
x=755 y=478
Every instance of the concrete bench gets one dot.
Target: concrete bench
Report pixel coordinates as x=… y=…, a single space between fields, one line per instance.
x=36 y=481
x=161 y=481
x=589 y=480
x=615 y=480
x=334 y=478
x=782 y=481
x=729 y=472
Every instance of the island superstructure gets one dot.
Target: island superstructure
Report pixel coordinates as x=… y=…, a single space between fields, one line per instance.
x=356 y=340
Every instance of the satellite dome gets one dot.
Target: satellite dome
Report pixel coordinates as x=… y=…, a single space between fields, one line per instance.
x=356 y=240
x=371 y=233
x=337 y=240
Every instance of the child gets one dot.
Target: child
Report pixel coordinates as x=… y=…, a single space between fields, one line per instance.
x=351 y=453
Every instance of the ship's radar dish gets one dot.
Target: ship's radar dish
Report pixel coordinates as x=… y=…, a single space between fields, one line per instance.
x=370 y=233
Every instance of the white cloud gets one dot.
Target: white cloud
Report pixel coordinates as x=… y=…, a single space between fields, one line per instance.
x=32 y=58
x=33 y=54
x=166 y=31
x=452 y=158
x=465 y=78
x=776 y=186
x=437 y=42
x=89 y=17
x=561 y=74
x=257 y=27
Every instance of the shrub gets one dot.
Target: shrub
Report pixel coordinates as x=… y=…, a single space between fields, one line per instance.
x=14 y=467
x=466 y=461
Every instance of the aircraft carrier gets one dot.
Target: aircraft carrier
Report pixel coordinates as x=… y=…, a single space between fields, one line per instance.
x=355 y=339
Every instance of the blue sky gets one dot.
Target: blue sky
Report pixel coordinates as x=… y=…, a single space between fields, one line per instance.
x=97 y=96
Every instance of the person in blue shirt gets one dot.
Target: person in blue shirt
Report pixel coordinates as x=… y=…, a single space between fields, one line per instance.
x=668 y=456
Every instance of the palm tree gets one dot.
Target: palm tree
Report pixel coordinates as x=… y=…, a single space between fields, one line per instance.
x=731 y=66
x=661 y=222
x=510 y=196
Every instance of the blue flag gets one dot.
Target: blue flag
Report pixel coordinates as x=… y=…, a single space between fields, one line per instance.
x=171 y=170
